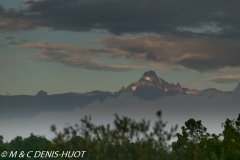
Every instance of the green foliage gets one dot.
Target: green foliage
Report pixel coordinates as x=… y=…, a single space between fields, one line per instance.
x=195 y=143
x=132 y=140
x=231 y=141
x=128 y=139
x=32 y=143
x=191 y=144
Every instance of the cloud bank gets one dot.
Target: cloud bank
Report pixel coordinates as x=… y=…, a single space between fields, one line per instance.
x=185 y=18
x=224 y=79
x=211 y=107
x=199 y=54
x=201 y=36
x=82 y=57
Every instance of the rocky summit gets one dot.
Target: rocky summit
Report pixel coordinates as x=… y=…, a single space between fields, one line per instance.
x=151 y=82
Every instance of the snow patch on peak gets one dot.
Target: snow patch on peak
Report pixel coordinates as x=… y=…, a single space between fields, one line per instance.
x=148 y=78
x=193 y=92
x=165 y=89
x=134 y=88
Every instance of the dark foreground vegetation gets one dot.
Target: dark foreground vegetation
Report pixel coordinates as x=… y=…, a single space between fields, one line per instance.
x=131 y=140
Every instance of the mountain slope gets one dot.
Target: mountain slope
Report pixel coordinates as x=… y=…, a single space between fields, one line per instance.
x=151 y=87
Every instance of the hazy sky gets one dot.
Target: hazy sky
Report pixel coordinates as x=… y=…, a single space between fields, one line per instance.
x=83 y=45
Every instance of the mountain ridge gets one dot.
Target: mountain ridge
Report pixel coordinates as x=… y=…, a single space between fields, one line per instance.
x=149 y=87
x=148 y=82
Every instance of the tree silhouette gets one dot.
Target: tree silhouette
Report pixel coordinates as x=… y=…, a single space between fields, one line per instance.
x=128 y=139
x=131 y=140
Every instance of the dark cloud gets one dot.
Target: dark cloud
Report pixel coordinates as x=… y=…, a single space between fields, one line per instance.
x=199 y=35
x=185 y=17
x=14 y=20
x=200 y=54
x=79 y=57
x=224 y=79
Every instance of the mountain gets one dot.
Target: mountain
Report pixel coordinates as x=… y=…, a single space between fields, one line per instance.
x=41 y=93
x=237 y=89
x=150 y=87
x=24 y=114
x=28 y=106
x=151 y=82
